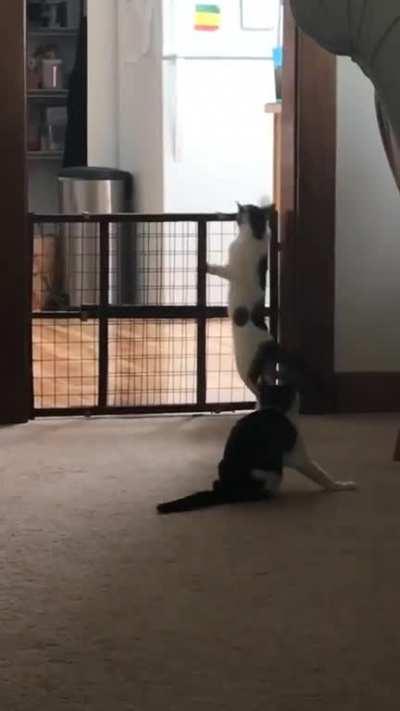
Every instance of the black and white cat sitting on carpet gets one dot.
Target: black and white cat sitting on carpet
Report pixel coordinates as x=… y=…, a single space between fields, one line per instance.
x=260 y=445
x=265 y=441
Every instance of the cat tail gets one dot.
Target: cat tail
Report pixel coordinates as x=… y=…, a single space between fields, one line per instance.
x=201 y=500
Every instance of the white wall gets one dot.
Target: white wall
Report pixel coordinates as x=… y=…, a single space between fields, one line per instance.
x=140 y=107
x=102 y=83
x=125 y=98
x=367 y=235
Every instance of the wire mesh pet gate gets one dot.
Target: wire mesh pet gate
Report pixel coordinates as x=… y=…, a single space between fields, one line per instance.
x=125 y=318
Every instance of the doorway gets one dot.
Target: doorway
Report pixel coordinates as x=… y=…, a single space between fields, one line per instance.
x=306 y=214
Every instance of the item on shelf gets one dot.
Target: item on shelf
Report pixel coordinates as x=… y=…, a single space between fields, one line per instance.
x=34 y=139
x=54 y=129
x=49 y=67
x=35 y=14
x=55 y=14
x=52 y=74
x=33 y=74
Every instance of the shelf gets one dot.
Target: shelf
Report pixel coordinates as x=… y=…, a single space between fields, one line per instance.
x=61 y=32
x=47 y=94
x=45 y=155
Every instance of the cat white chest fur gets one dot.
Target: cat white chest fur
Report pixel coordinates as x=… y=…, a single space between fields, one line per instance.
x=246 y=273
x=245 y=256
x=246 y=300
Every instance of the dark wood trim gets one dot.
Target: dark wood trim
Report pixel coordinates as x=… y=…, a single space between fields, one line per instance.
x=315 y=264
x=308 y=210
x=15 y=401
x=396 y=455
x=367 y=392
x=288 y=196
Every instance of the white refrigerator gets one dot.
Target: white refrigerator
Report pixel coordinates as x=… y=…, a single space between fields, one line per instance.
x=191 y=121
x=217 y=76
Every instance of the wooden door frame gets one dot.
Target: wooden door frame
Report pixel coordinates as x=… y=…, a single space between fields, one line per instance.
x=307 y=214
x=308 y=210
x=15 y=390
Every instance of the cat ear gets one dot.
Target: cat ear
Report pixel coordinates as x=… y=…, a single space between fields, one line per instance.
x=239 y=215
x=268 y=210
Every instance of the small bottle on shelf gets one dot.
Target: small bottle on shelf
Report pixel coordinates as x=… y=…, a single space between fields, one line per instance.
x=52 y=74
x=54 y=125
x=49 y=68
x=33 y=74
x=34 y=136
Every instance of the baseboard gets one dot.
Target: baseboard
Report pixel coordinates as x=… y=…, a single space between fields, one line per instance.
x=367 y=392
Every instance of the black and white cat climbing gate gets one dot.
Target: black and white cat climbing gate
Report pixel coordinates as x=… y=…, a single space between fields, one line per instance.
x=164 y=344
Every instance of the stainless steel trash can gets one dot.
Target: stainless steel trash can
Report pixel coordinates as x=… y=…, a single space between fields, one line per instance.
x=95 y=191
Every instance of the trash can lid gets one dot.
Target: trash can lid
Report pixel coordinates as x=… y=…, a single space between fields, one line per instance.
x=87 y=173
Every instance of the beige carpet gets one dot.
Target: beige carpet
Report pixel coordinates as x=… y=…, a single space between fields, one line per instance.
x=290 y=606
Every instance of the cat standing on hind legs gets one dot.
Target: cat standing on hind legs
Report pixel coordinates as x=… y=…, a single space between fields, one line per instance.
x=246 y=273
x=254 y=347
x=262 y=443
x=256 y=352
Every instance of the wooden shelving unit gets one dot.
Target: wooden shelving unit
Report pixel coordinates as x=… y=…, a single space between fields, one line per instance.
x=48 y=94
x=46 y=159
x=45 y=156
x=54 y=32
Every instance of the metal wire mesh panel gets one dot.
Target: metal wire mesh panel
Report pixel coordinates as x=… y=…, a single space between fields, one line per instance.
x=150 y=263
x=219 y=238
x=224 y=384
x=80 y=258
x=152 y=362
x=66 y=265
x=65 y=355
x=163 y=264
x=45 y=267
